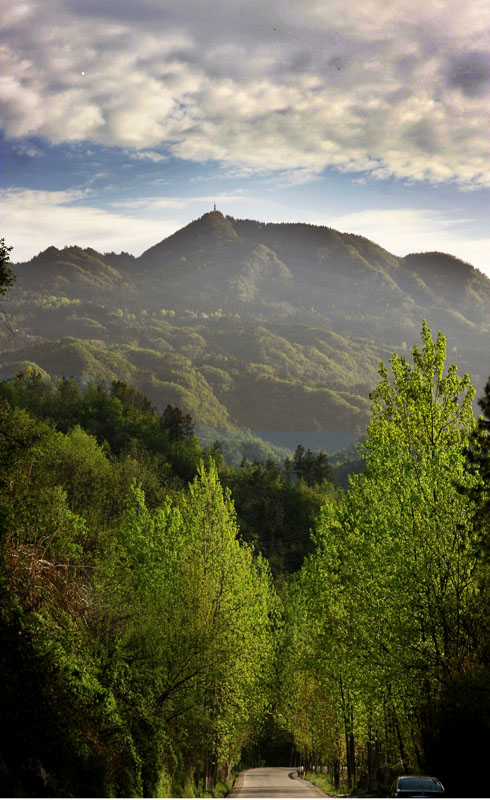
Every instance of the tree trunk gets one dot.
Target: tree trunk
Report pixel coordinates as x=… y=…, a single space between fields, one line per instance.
x=400 y=741
x=348 y=734
x=352 y=754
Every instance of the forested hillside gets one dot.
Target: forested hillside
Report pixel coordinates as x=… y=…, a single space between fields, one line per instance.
x=227 y=312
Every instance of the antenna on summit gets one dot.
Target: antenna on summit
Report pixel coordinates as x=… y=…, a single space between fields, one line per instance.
x=214 y=207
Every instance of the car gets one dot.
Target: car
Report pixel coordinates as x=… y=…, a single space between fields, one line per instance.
x=417 y=786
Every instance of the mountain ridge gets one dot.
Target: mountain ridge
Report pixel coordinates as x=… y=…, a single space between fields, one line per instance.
x=269 y=325
x=328 y=251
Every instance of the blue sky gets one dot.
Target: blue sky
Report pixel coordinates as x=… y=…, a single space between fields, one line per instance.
x=123 y=120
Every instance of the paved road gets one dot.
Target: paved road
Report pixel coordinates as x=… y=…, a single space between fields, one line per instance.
x=273 y=782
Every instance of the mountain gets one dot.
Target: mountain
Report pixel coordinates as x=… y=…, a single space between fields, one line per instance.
x=278 y=270
x=246 y=324
x=76 y=271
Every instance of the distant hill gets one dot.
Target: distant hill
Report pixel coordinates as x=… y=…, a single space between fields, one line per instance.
x=276 y=327
x=307 y=272
x=76 y=272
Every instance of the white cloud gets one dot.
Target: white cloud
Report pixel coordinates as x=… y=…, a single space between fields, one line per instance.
x=29 y=150
x=33 y=220
x=146 y=155
x=407 y=230
x=374 y=87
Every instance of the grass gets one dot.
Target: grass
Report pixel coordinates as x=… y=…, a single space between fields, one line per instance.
x=325 y=784
x=221 y=788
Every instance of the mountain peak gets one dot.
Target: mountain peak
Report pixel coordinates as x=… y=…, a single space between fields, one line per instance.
x=49 y=254
x=213 y=222
x=211 y=226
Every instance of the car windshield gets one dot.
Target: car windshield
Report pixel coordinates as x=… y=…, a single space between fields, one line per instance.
x=422 y=784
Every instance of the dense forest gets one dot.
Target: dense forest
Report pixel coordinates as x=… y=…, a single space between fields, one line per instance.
x=146 y=644
x=139 y=627
x=166 y=618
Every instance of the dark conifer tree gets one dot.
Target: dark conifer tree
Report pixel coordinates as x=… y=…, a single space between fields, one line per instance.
x=177 y=426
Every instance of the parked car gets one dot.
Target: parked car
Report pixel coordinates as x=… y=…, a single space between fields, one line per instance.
x=417 y=786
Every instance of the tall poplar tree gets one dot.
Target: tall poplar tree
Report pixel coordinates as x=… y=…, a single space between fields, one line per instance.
x=390 y=592
x=188 y=620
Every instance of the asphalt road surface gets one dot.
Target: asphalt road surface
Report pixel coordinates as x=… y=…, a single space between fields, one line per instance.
x=273 y=782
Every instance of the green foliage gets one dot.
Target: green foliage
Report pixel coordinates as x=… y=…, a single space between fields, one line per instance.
x=55 y=713
x=388 y=608
x=120 y=417
x=346 y=462
x=197 y=618
x=479 y=455
x=239 y=445
x=137 y=642
x=275 y=514
x=176 y=425
x=312 y=468
x=7 y=277
x=142 y=643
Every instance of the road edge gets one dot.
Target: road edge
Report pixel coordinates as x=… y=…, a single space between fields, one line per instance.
x=319 y=792
x=236 y=785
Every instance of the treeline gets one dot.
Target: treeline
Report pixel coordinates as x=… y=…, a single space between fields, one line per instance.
x=138 y=626
x=276 y=506
x=386 y=665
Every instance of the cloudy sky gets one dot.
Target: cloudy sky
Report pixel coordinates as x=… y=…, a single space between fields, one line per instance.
x=123 y=120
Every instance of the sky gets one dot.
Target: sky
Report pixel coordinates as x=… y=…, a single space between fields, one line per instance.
x=124 y=120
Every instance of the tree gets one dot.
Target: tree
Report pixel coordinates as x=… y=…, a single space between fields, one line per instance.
x=177 y=426
x=7 y=277
x=188 y=620
x=480 y=454
x=137 y=633
x=482 y=459
x=51 y=699
x=391 y=591
x=275 y=515
x=131 y=397
x=312 y=468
